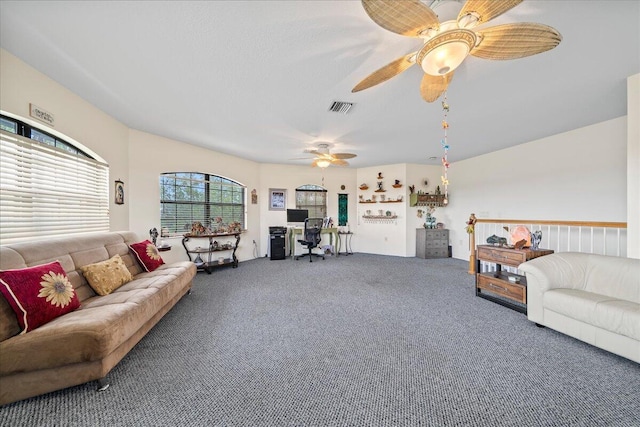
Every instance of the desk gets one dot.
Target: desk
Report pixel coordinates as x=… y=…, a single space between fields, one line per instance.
x=347 y=242
x=332 y=232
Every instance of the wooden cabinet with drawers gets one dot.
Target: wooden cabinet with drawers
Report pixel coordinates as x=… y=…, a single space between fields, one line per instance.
x=500 y=286
x=432 y=243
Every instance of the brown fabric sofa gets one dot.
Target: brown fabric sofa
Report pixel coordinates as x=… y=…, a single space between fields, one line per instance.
x=86 y=344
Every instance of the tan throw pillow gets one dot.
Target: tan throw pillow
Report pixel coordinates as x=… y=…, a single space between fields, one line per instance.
x=107 y=276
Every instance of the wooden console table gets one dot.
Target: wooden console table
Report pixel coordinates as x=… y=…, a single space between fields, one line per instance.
x=498 y=282
x=213 y=246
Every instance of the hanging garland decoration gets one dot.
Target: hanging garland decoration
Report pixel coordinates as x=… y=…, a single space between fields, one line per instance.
x=445 y=145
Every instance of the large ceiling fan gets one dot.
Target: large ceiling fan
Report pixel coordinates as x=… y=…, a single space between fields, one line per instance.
x=324 y=158
x=445 y=45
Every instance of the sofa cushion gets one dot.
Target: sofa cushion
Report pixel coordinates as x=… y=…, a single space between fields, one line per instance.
x=38 y=294
x=9 y=326
x=147 y=255
x=613 y=315
x=619 y=316
x=106 y=276
x=574 y=303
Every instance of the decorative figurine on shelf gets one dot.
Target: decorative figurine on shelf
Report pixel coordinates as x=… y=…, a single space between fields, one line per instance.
x=380 y=186
x=519 y=244
x=235 y=227
x=379 y=175
x=495 y=240
x=153 y=233
x=430 y=221
x=536 y=238
x=438 y=190
x=198 y=228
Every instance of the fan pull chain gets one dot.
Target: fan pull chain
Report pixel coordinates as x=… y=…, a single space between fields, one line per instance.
x=445 y=146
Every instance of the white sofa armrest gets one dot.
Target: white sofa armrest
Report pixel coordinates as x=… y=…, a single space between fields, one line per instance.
x=558 y=270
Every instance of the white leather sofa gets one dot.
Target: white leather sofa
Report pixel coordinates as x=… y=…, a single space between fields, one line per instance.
x=594 y=298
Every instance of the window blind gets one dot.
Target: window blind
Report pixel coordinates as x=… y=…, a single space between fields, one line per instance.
x=312 y=198
x=47 y=191
x=187 y=197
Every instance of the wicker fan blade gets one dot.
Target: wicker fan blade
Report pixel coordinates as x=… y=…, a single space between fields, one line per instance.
x=339 y=162
x=407 y=17
x=432 y=87
x=486 y=10
x=343 y=155
x=392 y=69
x=512 y=41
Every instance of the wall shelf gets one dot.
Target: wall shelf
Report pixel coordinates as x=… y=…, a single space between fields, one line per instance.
x=382 y=219
x=431 y=200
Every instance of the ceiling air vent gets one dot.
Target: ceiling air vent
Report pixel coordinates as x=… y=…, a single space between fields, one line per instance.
x=341 y=107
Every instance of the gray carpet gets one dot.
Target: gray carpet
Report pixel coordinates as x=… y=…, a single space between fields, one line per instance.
x=363 y=340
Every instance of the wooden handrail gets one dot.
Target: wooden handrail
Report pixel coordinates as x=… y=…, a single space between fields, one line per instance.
x=601 y=224
x=472 y=238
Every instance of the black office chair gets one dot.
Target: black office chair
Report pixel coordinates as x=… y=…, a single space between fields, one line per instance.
x=312 y=229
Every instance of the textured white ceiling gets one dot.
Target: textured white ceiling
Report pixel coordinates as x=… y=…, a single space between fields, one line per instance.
x=255 y=78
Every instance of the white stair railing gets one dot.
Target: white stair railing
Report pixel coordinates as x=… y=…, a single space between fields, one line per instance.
x=605 y=238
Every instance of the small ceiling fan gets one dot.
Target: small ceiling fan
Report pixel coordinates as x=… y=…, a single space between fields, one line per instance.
x=445 y=45
x=324 y=158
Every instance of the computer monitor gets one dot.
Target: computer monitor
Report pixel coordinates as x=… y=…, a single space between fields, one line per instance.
x=297 y=215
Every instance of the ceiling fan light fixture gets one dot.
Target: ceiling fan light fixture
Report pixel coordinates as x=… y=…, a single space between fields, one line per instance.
x=445 y=52
x=322 y=163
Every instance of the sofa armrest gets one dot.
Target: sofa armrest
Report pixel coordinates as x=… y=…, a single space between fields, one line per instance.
x=558 y=270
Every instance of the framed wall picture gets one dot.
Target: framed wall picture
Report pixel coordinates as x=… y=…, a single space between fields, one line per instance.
x=119 y=193
x=277 y=199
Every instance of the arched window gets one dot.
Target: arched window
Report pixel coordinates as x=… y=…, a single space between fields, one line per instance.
x=188 y=197
x=313 y=198
x=48 y=185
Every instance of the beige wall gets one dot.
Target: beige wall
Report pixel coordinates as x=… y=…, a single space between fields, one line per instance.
x=289 y=178
x=154 y=155
x=578 y=175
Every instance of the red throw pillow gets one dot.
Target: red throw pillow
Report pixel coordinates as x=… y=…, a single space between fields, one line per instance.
x=147 y=255
x=38 y=294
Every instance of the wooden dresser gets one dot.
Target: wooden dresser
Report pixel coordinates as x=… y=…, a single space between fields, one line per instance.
x=432 y=243
x=508 y=286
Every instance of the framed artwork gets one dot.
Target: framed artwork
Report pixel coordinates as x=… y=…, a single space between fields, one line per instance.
x=277 y=199
x=119 y=193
